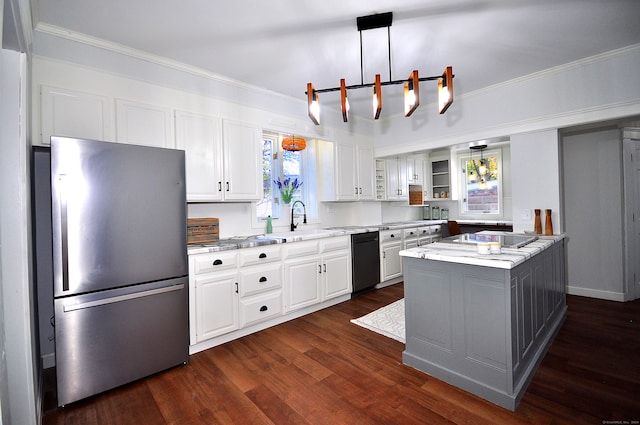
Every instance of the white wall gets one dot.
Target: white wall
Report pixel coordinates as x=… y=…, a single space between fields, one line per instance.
x=598 y=88
x=535 y=178
x=17 y=294
x=592 y=176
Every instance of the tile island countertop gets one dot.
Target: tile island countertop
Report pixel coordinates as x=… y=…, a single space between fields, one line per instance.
x=461 y=253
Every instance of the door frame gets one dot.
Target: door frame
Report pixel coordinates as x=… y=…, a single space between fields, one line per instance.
x=631 y=194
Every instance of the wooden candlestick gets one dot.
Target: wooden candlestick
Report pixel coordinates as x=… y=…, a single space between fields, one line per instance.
x=548 y=226
x=537 y=224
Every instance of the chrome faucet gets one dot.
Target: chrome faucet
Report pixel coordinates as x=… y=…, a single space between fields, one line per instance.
x=304 y=220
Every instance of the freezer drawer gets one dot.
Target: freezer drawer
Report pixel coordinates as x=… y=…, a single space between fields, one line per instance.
x=110 y=338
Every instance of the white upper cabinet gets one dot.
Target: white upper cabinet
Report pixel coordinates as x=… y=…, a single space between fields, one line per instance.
x=242 y=161
x=415 y=170
x=143 y=124
x=347 y=172
x=222 y=158
x=397 y=188
x=201 y=138
x=366 y=172
x=71 y=113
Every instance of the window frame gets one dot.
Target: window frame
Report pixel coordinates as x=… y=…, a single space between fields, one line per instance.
x=462 y=159
x=281 y=214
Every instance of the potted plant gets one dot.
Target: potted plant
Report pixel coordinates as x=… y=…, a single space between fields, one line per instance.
x=287 y=188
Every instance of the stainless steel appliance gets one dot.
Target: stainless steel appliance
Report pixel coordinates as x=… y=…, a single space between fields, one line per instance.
x=365 y=260
x=120 y=272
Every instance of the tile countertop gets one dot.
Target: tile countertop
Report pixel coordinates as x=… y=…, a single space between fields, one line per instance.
x=239 y=242
x=468 y=254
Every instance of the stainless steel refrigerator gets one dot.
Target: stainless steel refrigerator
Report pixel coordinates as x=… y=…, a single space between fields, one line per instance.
x=120 y=274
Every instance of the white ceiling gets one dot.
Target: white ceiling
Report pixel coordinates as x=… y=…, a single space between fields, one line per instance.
x=281 y=45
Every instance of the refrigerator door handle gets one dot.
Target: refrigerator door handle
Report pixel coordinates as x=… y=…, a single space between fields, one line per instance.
x=119 y=298
x=63 y=232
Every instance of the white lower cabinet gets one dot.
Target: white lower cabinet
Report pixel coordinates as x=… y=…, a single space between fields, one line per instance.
x=315 y=272
x=336 y=267
x=235 y=289
x=302 y=282
x=216 y=305
x=390 y=261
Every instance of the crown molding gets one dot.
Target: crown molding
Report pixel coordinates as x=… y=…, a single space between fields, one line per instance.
x=149 y=57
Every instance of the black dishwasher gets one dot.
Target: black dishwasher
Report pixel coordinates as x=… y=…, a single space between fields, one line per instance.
x=365 y=260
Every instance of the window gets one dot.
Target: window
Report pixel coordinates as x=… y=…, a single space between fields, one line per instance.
x=284 y=166
x=481 y=190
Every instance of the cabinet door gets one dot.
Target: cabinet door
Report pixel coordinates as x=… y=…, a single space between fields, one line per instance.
x=366 y=173
x=242 y=161
x=74 y=114
x=336 y=274
x=143 y=124
x=397 y=179
x=216 y=305
x=201 y=139
x=415 y=170
x=390 y=261
x=301 y=279
x=346 y=183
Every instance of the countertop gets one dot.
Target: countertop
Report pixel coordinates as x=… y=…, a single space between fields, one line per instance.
x=468 y=254
x=249 y=241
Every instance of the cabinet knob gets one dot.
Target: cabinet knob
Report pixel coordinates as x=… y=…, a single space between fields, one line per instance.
x=263 y=279
x=217 y=262
x=262 y=255
x=264 y=308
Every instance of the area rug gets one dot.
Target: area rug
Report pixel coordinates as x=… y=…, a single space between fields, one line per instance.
x=387 y=321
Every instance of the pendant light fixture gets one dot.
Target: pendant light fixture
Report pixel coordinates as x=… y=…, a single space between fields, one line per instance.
x=344 y=102
x=313 y=104
x=411 y=85
x=411 y=93
x=294 y=143
x=482 y=168
x=377 y=98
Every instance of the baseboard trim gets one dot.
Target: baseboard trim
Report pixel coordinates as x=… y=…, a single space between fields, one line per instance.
x=597 y=293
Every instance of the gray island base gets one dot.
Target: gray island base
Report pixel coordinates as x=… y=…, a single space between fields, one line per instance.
x=483 y=323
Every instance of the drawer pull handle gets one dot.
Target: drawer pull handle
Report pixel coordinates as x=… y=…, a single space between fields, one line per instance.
x=217 y=262
x=262 y=255
x=264 y=308
x=393 y=236
x=263 y=279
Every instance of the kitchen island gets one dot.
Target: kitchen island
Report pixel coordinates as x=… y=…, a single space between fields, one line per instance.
x=483 y=322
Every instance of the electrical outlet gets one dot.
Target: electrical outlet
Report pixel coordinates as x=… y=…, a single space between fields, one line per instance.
x=526 y=214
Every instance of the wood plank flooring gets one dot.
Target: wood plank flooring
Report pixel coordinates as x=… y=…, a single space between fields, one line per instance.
x=321 y=369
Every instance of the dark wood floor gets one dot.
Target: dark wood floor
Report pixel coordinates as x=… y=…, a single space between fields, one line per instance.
x=321 y=369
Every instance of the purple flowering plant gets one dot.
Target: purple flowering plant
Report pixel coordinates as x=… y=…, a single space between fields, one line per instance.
x=287 y=188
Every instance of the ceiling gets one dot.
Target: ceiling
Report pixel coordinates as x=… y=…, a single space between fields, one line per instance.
x=281 y=45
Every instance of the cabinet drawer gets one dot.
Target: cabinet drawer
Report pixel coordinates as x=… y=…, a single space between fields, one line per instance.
x=335 y=243
x=214 y=261
x=410 y=233
x=423 y=231
x=263 y=254
x=436 y=228
x=300 y=249
x=259 y=279
x=391 y=235
x=259 y=308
